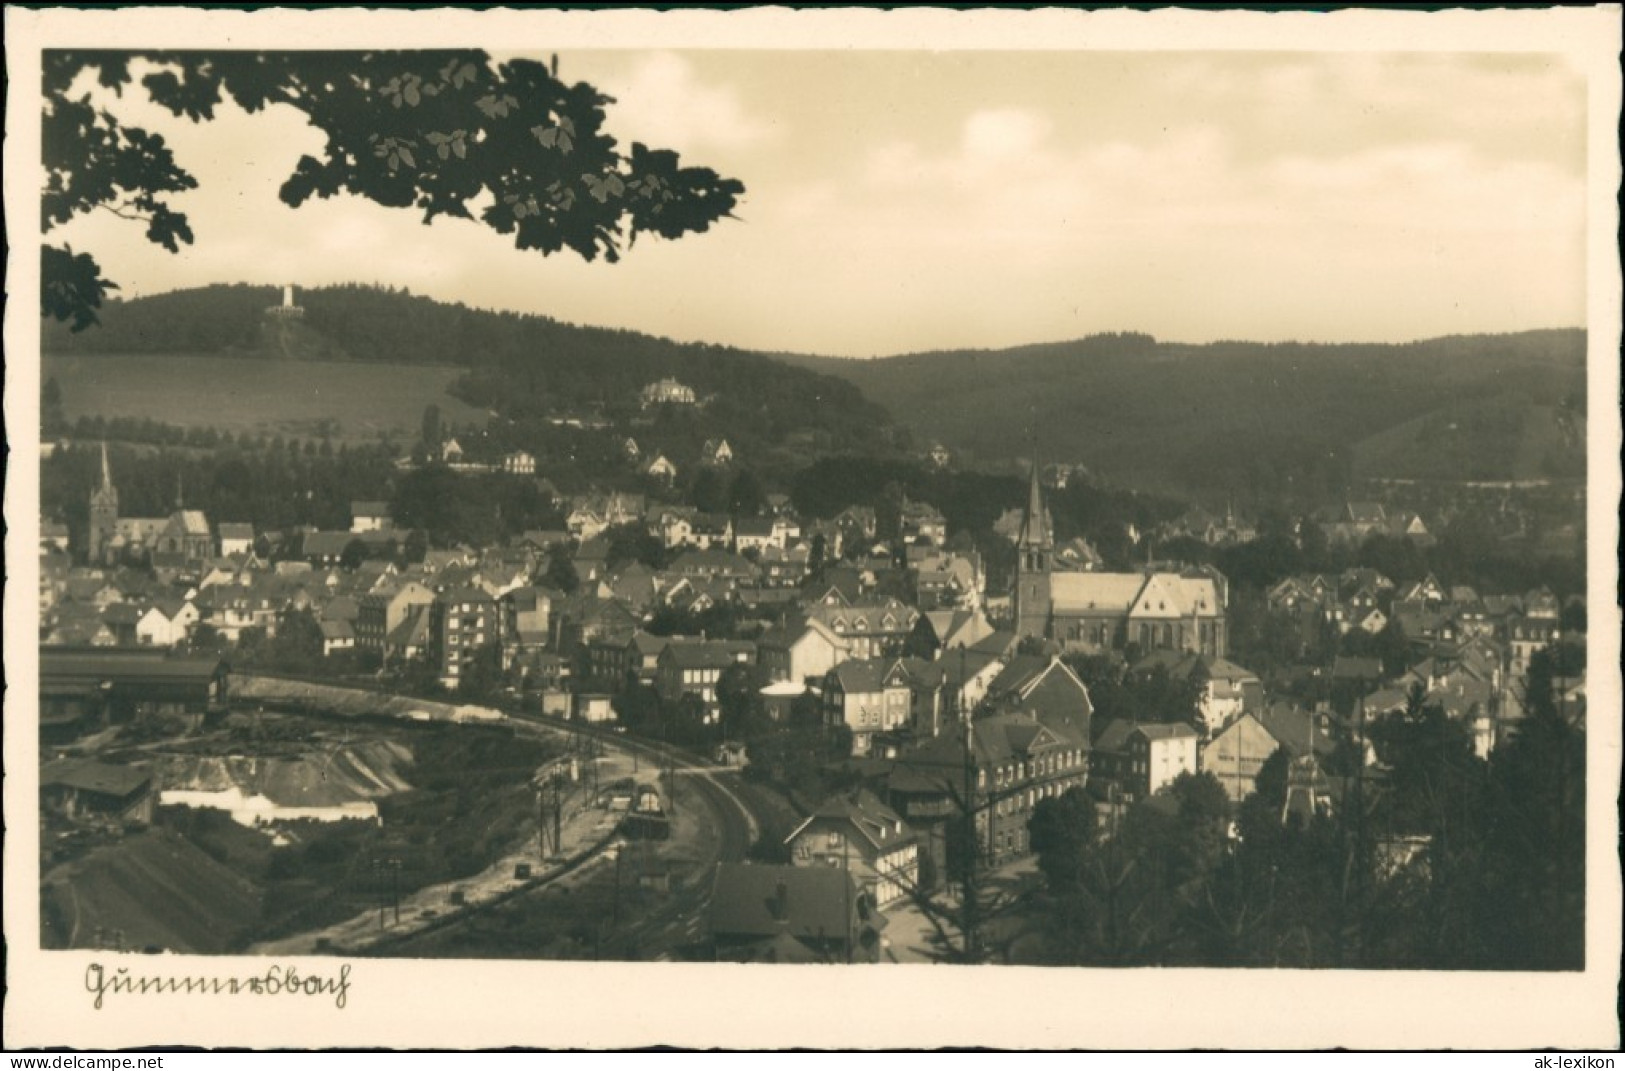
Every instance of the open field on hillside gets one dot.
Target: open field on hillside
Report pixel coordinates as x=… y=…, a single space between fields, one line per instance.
x=350 y=401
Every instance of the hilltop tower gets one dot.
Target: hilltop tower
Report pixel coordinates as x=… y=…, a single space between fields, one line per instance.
x=103 y=513
x=1035 y=549
x=287 y=310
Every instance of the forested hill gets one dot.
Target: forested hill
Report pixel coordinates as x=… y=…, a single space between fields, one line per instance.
x=1240 y=419
x=520 y=365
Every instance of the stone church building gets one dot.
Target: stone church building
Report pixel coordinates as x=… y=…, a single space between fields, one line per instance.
x=1153 y=610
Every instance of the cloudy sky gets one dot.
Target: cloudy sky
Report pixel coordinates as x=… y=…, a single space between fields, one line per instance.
x=900 y=201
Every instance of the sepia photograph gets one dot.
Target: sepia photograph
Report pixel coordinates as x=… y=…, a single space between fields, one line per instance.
x=785 y=528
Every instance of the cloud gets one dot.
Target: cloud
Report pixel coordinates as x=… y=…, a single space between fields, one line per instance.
x=664 y=102
x=1003 y=134
x=1193 y=197
x=1019 y=229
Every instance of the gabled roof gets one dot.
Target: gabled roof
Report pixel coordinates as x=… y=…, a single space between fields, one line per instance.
x=327 y=544
x=712 y=560
x=1114 y=735
x=1076 y=593
x=1169 y=594
x=647 y=645
x=336 y=630
x=1172 y=731
x=819 y=903
x=1345 y=667
x=413 y=631
x=940 y=760
x=191 y=521
x=122 y=613
x=1290 y=727
x=462 y=594
x=1366 y=513
x=966 y=664
x=866 y=674
x=880 y=826
x=1019 y=673
x=997 y=644
x=87 y=775
x=704 y=654
x=143 y=664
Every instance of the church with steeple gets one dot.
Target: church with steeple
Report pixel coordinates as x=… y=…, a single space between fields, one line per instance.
x=184 y=535
x=103 y=514
x=1035 y=552
x=1155 y=609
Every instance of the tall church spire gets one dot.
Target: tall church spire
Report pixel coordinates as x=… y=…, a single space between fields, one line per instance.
x=1034 y=545
x=1035 y=528
x=103 y=513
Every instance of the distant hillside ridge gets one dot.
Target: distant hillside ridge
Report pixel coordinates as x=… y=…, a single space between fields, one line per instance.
x=518 y=364
x=1246 y=420
x=214 y=320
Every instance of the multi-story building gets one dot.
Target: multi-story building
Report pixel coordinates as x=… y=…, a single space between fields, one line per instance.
x=999 y=768
x=871 y=629
x=1143 y=759
x=462 y=621
x=799 y=650
x=526 y=613
x=870 y=697
x=381 y=612
x=667 y=391
x=859 y=834
x=693 y=667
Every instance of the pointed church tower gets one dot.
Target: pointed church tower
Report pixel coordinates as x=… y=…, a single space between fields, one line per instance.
x=1035 y=546
x=103 y=513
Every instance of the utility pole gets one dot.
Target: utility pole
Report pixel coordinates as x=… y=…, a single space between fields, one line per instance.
x=969 y=906
x=846 y=895
x=558 y=832
x=671 y=775
x=541 y=828
x=389 y=894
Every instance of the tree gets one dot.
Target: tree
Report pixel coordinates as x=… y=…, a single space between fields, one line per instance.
x=354 y=553
x=561 y=573
x=431 y=429
x=817 y=556
x=415 y=547
x=1532 y=899
x=739 y=703
x=1062 y=832
x=297 y=646
x=442 y=132
x=638 y=708
x=745 y=494
x=634 y=543
x=52 y=420
x=482 y=673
